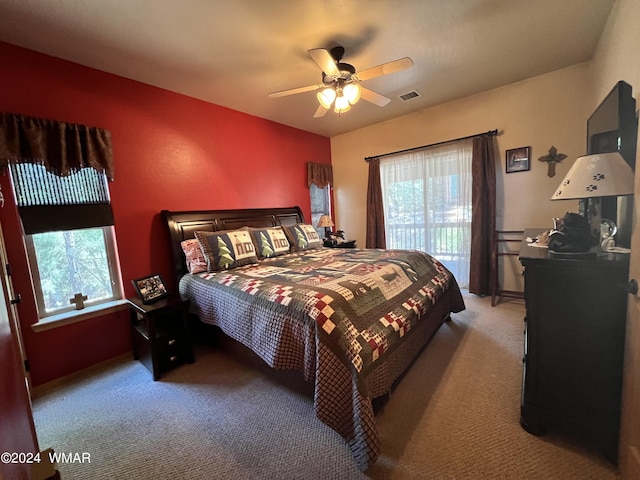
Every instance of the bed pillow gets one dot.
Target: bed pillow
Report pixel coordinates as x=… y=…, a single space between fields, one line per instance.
x=270 y=241
x=196 y=262
x=303 y=237
x=227 y=249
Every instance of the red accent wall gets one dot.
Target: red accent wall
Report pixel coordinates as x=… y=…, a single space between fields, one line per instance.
x=170 y=152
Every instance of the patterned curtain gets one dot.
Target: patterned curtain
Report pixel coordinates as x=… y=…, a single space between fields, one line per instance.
x=319 y=174
x=483 y=220
x=63 y=148
x=375 y=208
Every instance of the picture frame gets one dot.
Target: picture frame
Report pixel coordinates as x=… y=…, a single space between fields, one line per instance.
x=518 y=159
x=150 y=289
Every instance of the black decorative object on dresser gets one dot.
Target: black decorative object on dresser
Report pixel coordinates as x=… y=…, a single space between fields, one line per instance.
x=574 y=345
x=160 y=333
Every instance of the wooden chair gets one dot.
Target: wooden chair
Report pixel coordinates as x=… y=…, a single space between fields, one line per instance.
x=501 y=239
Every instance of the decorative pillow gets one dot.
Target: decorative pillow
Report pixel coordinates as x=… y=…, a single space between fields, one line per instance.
x=270 y=241
x=227 y=249
x=303 y=237
x=196 y=262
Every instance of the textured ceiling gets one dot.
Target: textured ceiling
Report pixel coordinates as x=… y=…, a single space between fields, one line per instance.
x=233 y=53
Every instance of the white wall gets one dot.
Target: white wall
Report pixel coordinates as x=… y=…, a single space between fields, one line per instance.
x=548 y=110
x=617 y=56
x=551 y=109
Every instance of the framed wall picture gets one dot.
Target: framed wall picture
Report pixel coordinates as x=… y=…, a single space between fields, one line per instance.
x=150 y=289
x=518 y=159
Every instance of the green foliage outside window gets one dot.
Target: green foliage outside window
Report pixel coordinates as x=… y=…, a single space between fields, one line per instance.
x=71 y=262
x=434 y=227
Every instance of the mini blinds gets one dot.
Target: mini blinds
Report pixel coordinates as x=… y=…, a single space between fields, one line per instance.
x=48 y=202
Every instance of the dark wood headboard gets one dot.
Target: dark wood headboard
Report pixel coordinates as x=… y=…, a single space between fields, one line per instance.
x=183 y=225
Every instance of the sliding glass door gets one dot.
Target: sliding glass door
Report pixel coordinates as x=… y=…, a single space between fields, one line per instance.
x=427 y=203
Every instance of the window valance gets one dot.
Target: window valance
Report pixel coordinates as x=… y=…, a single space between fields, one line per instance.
x=319 y=174
x=62 y=148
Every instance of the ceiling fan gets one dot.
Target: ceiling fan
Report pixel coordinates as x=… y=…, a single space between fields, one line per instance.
x=341 y=82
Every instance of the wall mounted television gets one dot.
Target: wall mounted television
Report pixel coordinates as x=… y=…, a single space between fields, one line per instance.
x=613 y=127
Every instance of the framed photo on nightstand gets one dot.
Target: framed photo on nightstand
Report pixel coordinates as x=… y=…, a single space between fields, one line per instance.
x=150 y=289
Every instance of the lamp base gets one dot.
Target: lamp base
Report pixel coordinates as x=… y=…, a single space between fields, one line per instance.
x=595 y=216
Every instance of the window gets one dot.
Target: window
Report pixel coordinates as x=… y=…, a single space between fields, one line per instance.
x=69 y=262
x=69 y=237
x=320 y=205
x=427 y=203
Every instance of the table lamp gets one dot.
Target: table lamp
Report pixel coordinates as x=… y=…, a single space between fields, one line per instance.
x=326 y=222
x=592 y=177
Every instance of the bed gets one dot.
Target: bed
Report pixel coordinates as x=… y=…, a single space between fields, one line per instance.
x=350 y=320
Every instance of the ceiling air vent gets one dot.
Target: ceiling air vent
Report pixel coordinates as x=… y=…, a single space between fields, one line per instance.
x=409 y=95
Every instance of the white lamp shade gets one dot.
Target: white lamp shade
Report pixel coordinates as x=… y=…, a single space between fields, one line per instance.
x=598 y=175
x=325 y=221
x=342 y=105
x=326 y=97
x=352 y=92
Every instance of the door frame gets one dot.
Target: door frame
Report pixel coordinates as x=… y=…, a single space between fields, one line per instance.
x=630 y=418
x=17 y=428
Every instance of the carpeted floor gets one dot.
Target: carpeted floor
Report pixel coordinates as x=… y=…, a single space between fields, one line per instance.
x=454 y=415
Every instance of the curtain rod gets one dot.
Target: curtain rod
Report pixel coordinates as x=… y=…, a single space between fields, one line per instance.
x=491 y=133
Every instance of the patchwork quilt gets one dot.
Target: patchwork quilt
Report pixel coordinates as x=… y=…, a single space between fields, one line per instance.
x=334 y=314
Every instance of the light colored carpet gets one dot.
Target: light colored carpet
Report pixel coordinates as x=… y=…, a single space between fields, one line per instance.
x=453 y=416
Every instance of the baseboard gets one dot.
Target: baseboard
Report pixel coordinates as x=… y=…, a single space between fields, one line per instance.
x=92 y=370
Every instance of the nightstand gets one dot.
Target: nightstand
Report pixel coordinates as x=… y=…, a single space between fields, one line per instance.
x=345 y=244
x=160 y=333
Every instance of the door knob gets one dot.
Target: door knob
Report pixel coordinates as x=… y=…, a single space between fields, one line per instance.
x=632 y=287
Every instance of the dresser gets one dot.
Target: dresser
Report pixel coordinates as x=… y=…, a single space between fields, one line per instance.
x=574 y=345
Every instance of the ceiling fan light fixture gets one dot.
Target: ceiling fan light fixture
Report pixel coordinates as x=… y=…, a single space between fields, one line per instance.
x=340 y=85
x=343 y=110
x=342 y=105
x=326 y=97
x=352 y=92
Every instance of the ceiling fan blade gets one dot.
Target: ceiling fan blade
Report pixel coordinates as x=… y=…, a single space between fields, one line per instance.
x=385 y=69
x=293 y=91
x=373 y=97
x=324 y=60
x=320 y=112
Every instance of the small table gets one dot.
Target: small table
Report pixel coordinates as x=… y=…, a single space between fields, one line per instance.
x=160 y=333
x=345 y=244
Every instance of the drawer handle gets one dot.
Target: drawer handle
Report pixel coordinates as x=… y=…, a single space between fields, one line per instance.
x=173 y=358
x=171 y=342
